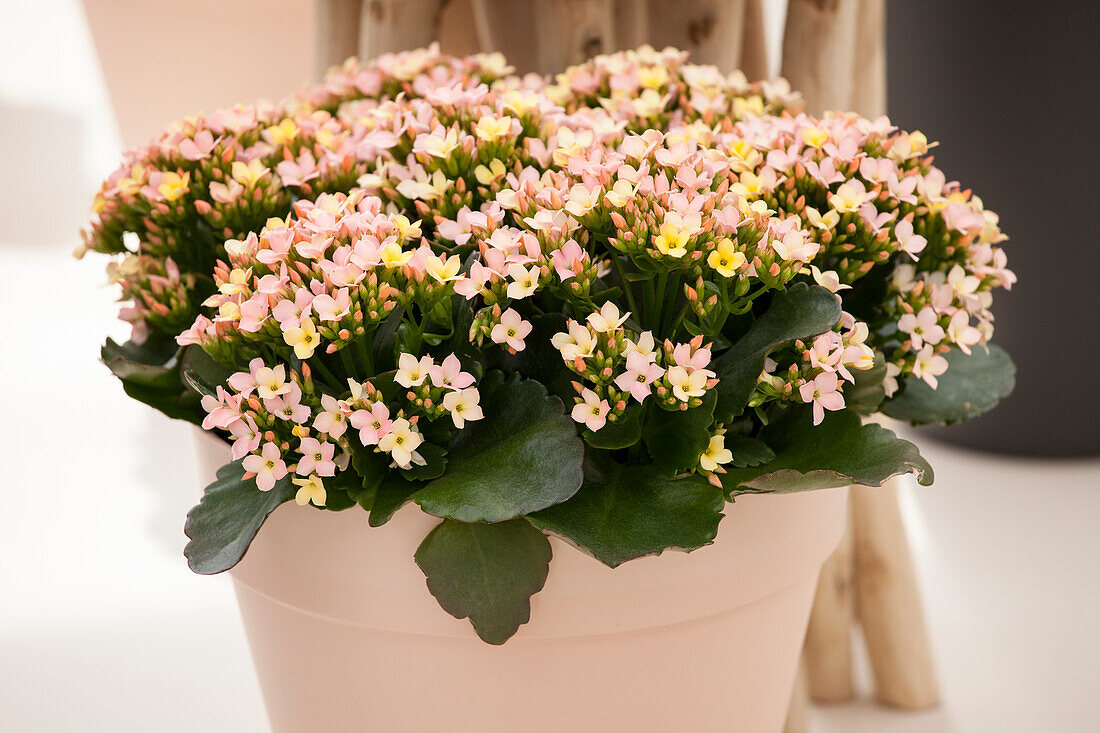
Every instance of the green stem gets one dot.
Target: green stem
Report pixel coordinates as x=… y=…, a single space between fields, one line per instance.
x=318 y=366
x=617 y=261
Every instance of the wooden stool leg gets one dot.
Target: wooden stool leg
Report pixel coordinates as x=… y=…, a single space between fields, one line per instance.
x=888 y=601
x=798 y=716
x=828 y=652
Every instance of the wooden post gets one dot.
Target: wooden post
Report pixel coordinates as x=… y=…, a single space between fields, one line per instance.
x=798 y=714
x=571 y=31
x=337 y=33
x=387 y=26
x=828 y=652
x=888 y=600
x=819 y=51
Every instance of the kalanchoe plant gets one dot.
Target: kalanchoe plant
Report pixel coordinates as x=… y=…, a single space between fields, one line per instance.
x=598 y=309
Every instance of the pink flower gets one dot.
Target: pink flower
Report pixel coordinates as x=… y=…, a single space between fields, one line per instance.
x=449 y=374
x=223 y=409
x=372 y=424
x=245 y=382
x=329 y=308
x=923 y=327
x=511 y=330
x=961 y=333
x=822 y=392
x=909 y=243
x=269 y=466
x=246 y=437
x=198 y=147
x=332 y=420
x=928 y=366
x=640 y=373
x=289 y=313
x=289 y=406
x=591 y=411
x=316 y=458
x=295 y=173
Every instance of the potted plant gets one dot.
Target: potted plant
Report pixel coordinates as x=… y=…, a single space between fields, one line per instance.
x=489 y=325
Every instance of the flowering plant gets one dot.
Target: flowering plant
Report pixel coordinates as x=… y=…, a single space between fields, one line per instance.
x=597 y=307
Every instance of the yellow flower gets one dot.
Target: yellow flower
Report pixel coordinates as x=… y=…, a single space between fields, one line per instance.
x=249 y=174
x=716 y=454
x=238 y=279
x=173 y=185
x=653 y=77
x=815 y=137
x=304 y=339
x=393 y=256
x=405 y=228
x=283 y=133
x=490 y=128
x=673 y=239
x=312 y=489
x=495 y=172
x=440 y=270
x=726 y=260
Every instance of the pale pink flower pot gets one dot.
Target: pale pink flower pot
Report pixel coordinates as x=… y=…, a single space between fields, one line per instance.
x=346 y=637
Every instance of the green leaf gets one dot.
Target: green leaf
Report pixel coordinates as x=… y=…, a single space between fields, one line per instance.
x=972 y=384
x=201 y=371
x=486 y=573
x=866 y=395
x=748 y=451
x=799 y=312
x=540 y=360
x=371 y=468
x=676 y=438
x=623 y=433
x=435 y=463
x=150 y=373
x=624 y=512
x=524 y=455
x=228 y=516
x=393 y=493
x=838 y=452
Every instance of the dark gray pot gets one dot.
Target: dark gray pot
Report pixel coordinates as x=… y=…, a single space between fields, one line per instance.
x=1010 y=90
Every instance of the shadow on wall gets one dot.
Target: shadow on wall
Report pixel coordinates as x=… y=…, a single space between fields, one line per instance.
x=44 y=189
x=1010 y=92
x=163 y=59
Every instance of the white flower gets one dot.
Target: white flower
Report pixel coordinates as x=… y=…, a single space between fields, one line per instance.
x=607 y=319
x=577 y=342
x=401 y=443
x=685 y=384
x=463 y=405
x=411 y=371
x=524 y=281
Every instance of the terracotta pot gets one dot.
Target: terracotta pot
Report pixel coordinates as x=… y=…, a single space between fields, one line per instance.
x=345 y=635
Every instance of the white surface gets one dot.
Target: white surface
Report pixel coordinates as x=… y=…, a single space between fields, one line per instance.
x=103 y=628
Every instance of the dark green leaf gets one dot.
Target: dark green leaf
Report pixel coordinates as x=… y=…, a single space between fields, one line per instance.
x=371 y=468
x=540 y=360
x=150 y=373
x=676 y=439
x=624 y=512
x=392 y=494
x=971 y=385
x=838 y=452
x=486 y=572
x=201 y=371
x=435 y=463
x=623 y=433
x=800 y=312
x=747 y=451
x=228 y=516
x=866 y=395
x=524 y=455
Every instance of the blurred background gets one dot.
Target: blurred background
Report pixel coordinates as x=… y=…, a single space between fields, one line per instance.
x=102 y=626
